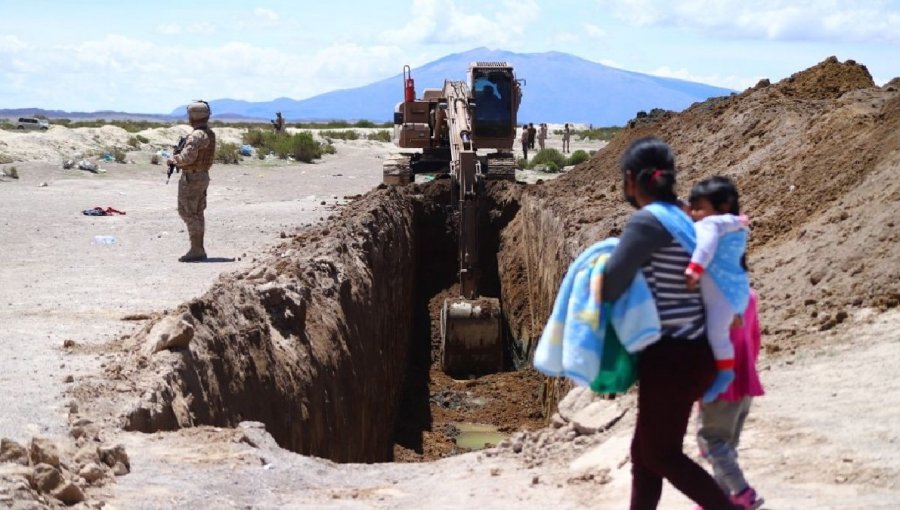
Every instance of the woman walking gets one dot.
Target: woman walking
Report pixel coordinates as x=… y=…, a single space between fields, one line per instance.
x=674 y=372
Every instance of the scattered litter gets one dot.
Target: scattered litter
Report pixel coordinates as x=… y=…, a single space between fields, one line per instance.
x=99 y=211
x=90 y=166
x=246 y=150
x=107 y=157
x=43 y=185
x=100 y=240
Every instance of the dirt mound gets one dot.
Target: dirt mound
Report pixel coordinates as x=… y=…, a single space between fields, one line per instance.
x=59 y=473
x=827 y=80
x=815 y=158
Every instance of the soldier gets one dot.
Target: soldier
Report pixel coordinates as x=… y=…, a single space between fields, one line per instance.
x=278 y=123
x=524 y=139
x=532 y=131
x=194 y=162
x=542 y=135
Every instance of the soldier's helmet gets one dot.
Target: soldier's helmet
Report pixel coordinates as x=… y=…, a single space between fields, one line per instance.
x=198 y=111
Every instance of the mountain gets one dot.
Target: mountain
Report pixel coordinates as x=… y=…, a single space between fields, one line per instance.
x=559 y=88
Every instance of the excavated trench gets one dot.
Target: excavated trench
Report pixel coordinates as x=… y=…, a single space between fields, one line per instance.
x=330 y=340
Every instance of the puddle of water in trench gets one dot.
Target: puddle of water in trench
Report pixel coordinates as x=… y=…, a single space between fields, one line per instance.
x=473 y=436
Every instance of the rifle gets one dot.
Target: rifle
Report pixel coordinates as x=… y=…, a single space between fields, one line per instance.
x=178 y=148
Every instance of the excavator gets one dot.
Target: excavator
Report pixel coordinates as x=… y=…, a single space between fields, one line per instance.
x=449 y=126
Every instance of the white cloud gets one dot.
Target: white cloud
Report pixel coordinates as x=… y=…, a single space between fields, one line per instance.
x=203 y=28
x=444 y=22
x=266 y=14
x=122 y=73
x=611 y=63
x=565 y=39
x=806 y=20
x=11 y=44
x=594 y=32
x=727 y=81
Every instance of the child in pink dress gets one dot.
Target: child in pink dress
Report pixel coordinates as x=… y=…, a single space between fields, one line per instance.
x=722 y=420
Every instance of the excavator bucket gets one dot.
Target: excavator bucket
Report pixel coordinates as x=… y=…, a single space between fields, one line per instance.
x=471 y=336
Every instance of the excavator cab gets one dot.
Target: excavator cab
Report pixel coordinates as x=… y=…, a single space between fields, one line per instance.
x=496 y=96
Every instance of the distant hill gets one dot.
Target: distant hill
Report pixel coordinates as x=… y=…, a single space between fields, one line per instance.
x=60 y=114
x=559 y=88
x=14 y=113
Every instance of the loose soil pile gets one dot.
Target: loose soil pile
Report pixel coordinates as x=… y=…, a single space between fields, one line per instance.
x=816 y=160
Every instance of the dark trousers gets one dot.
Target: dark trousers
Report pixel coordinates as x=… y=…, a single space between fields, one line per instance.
x=673 y=374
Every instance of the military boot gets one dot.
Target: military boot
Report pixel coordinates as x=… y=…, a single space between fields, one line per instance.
x=196 y=253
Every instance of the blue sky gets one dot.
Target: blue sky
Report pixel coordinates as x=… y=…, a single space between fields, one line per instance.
x=153 y=56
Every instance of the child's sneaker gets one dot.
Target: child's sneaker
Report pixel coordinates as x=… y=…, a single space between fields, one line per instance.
x=747 y=499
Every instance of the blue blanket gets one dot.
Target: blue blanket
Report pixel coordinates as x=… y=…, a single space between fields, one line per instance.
x=573 y=341
x=725 y=268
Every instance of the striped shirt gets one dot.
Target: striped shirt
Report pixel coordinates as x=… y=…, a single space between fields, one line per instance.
x=681 y=312
x=646 y=246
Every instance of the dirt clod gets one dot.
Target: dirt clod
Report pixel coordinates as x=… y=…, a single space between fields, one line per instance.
x=44 y=451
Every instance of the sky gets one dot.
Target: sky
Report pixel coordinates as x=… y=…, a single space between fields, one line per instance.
x=150 y=57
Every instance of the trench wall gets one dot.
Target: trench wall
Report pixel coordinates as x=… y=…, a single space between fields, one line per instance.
x=313 y=342
x=534 y=254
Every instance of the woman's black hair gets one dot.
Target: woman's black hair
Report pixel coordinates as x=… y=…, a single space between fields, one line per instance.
x=652 y=163
x=721 y=193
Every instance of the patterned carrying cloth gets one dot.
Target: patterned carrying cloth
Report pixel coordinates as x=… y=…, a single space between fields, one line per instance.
x=581 y=331
x=725 y=268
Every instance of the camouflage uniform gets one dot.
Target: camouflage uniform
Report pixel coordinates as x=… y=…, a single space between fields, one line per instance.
x=542 y=136
x=194 y=161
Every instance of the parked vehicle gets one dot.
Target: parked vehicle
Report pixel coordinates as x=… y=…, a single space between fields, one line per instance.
x=31 y=123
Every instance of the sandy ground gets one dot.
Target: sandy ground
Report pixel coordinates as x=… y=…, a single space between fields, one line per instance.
x=825 y=436
x=59 y=284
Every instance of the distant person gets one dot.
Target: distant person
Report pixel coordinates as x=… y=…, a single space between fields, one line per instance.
x=194 y=161
x=525 y=140
x=567 y=134
x=532 y=132
x=489 y=103
x=542 y=135
x=278 y=123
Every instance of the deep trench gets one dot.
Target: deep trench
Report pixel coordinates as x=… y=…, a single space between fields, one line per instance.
x=436 y=276
x=346 y=385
